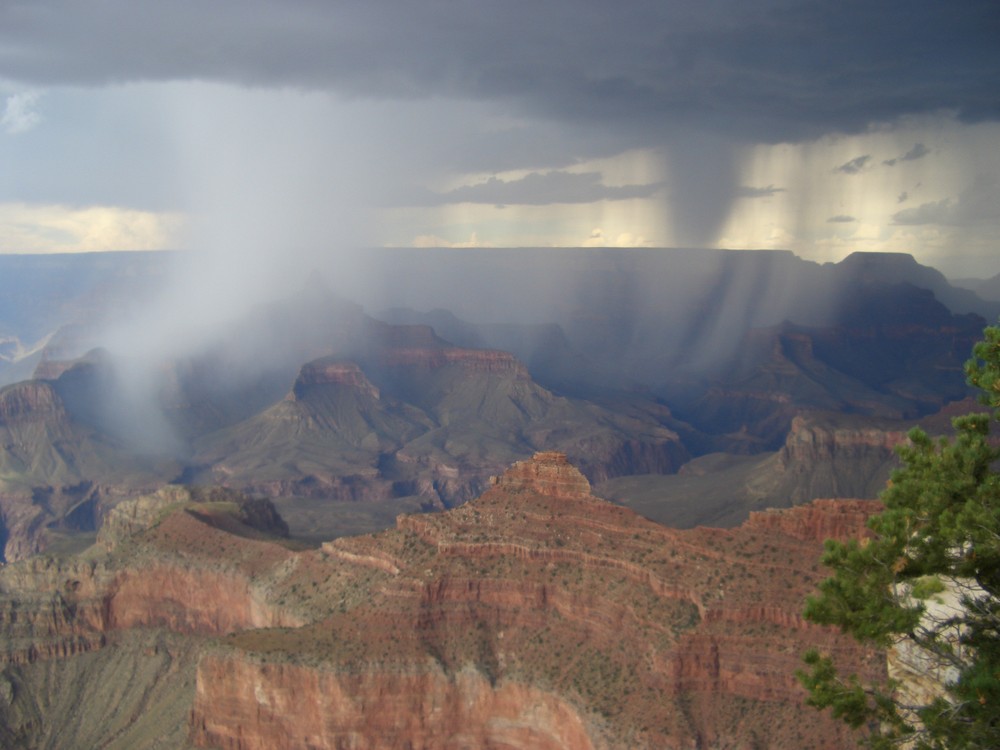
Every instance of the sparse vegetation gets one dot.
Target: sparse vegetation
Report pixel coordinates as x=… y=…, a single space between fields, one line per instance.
x=940 y=532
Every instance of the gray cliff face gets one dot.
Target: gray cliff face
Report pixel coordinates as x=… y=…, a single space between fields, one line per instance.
x=823 y=460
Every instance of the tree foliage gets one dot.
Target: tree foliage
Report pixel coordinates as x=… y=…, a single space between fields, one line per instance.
x=927 y=584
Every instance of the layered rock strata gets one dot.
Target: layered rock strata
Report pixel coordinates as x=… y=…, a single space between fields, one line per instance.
x=550 y=609
x=433 y=420
x=471 y=360
x=332 y=372
x=536 y=616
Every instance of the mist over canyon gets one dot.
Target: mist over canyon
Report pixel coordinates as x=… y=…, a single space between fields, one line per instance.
x=155 y=452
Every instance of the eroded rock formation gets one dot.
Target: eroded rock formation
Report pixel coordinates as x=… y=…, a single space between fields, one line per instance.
x=31 y=401
x=471 y=360
x=536 y=616
x=286 y=705
x=811 y=441
x=332 y=372
x=625 y=630
x=546 y=473
x=819 y=520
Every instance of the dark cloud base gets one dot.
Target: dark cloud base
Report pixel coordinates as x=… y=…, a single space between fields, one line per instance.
x=764 y=71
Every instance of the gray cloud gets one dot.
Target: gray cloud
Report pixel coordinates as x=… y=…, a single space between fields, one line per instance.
x=841 y=219
x=938 y=212
x=535 y=189
x=747 y=191
x=486 y=88
x=977 y=204
x=855 y=165
x=19 y=114
x=919 y=151
x=766 y=71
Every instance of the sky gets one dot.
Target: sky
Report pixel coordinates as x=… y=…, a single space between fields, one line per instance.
x=257 y=132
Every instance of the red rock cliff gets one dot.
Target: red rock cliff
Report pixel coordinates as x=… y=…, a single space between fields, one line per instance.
x=284 y=706
x=819 y=520
x=333 y=372
x=620 y=632
x=184 y=574
x=536 y=616
x=546 y=473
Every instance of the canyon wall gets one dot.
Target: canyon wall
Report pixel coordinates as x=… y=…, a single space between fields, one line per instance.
x=241 y=705
x=619 y=631
x=534 y=616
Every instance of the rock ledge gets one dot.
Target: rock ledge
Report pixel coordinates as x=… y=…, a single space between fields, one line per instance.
x=546 y=473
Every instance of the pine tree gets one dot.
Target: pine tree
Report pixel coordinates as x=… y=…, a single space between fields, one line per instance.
x=927 y=583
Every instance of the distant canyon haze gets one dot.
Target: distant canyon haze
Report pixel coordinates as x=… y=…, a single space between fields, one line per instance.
x=524 y=498
x=694 y=385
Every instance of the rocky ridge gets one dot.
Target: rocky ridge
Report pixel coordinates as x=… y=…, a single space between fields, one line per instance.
x=432 y=421
x=825 y=455
x=332 y=372
x=881 y=363
x=535 y=616
x=538 y=586
x=471 y=360
x=546 y=473
x=309 y=397
x=396 y=412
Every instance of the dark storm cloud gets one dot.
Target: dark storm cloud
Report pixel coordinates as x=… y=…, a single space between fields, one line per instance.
x=535 y=189
x=747 y=191
x=855 y=165
x=841 y=219
x=766 y=71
